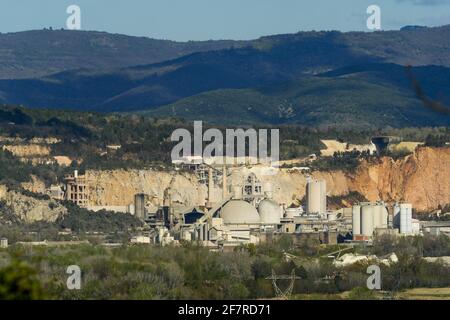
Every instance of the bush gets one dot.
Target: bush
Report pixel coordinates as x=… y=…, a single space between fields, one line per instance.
x=19 y=282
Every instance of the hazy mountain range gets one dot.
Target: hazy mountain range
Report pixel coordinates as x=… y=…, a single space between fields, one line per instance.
x=310 y=78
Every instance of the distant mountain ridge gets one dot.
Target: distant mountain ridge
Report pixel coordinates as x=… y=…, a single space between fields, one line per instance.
x=370 y=96
x=357 y=63
x=39 y=53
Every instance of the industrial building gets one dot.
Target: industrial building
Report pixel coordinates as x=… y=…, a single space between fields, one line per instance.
x=77 y=189
x=3 y=243
x=245 y=212
x=316 y=196
x=248 y=214
x=370 y=218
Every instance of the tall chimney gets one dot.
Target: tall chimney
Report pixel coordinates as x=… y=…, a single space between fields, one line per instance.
x=210 y=184
x=225 y=184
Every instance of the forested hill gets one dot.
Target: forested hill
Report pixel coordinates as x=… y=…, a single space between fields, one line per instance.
x=308 y=78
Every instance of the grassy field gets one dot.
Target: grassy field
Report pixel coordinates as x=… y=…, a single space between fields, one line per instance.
x=426 y=294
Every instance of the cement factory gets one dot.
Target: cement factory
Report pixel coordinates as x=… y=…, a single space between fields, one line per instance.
x=245 y=213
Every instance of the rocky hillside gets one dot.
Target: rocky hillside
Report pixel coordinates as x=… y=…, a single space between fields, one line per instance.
x=422 y=179
x=29 y=209
x=118 y=187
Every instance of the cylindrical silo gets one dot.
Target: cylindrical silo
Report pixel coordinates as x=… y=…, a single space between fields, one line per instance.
x=377 y=216
x=384 y=217
x=269 y=212
x=316 y=196
x=405 y=218
x=323 y=196
x=356 y=220
x=367 y=220
x=396 y=216
x=139 y=205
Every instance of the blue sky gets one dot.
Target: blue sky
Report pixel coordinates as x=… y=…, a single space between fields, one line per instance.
x=219 y=19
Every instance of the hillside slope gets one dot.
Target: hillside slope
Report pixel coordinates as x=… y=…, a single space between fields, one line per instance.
x=372 y=95
x=309 y=77
x=39 y=53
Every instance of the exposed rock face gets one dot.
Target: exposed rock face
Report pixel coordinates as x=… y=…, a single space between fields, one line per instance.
x=28 y=151
x=118 y=187
x=422 y=179
x=29 y=209
x=35 y=185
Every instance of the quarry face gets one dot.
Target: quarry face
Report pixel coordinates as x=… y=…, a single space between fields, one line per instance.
x=422 y=179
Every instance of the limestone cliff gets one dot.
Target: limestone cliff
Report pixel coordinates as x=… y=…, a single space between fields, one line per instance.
x=29 y=209
x=422 y=179
x=118 y=187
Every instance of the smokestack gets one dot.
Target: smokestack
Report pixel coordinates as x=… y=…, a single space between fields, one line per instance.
x=210 y=184
x=225 y=184
x=75 y=174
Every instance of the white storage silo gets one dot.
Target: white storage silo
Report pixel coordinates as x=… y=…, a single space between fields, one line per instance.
x=316 y=197
x=356 y=220
x=376 y=215
x=405 y=218
x=384 y=217
x=396 y=216
x=380 y=216
x=367 y=220
x=269 y=212
x=323 y=196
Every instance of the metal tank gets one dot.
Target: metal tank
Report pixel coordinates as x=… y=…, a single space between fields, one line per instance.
x=316 y=196
x=384 y=217
x=356 y=220
x=139 y=205
x=269 y=212
x=378 y=216
x=396 y=216
x=323 y=196
x=405 y=218
x=367 y=213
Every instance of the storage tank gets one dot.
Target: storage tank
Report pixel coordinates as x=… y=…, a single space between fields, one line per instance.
x=396 y=216
x=239 y=212
x=384 y=217
x=139 y=205
x=405 y=218
x=356 y=220
x=378 y=216
x=316 y=196
x=269 y=212
x=367 y=213
x=323 y=196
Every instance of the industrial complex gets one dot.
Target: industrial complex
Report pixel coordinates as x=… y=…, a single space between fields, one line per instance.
x=242 y=213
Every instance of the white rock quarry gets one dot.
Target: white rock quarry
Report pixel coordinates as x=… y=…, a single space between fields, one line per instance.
x=351 y=258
